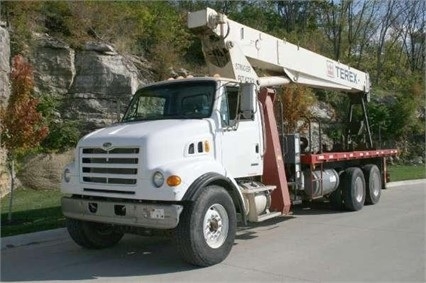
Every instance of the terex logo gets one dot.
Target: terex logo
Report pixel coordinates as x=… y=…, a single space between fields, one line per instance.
x=341 y=73
x=346 y=75
x=330 y=69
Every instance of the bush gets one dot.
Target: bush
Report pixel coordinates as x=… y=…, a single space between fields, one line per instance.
x=62 y=136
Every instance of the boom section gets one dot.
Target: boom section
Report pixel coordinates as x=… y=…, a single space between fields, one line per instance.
x=268 y=56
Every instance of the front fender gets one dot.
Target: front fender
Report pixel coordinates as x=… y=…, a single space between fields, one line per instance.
x=188 y=171
x=197 y=174
x=213 y=178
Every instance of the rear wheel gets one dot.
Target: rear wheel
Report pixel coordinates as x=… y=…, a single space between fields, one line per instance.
x=207 y=227
x=373 y=182
x=92 y=235
x=353 y=189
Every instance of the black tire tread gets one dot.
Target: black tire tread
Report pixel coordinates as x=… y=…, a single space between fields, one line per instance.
x=193 y=251
x=84 y=234
x=368 y=170
x=349 y=200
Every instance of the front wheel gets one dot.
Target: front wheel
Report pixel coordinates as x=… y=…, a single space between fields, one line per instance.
x=92 y=235
x=207 y=227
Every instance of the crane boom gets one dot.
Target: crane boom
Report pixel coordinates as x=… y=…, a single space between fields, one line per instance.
x=248 y=55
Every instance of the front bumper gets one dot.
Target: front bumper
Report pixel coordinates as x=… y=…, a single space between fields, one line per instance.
x=157 y=216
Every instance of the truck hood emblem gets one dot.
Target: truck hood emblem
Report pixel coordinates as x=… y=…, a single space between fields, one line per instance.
x=107 y=145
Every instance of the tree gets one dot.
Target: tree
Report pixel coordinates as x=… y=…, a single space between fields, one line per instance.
x=297 y=101
x=362 y=19
x=298 y=16
x=335 y=18
x=389 y=17
x=412 y=27
x=22 y=127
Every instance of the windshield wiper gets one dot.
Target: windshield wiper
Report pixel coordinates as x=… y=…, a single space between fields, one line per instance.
x=166 y=117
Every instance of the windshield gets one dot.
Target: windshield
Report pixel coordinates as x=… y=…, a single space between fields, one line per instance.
x=177 y=100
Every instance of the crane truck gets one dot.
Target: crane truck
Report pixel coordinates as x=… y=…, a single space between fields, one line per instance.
x=196 y=156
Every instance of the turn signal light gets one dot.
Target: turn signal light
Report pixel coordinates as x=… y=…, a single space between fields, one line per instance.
x=173 y=181
x=206 y=146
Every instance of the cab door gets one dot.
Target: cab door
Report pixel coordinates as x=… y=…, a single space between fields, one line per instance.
x=241 y=136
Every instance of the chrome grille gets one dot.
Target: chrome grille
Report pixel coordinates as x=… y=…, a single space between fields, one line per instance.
x=118 y=166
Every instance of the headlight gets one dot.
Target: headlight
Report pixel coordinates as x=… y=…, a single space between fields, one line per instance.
x=158 y=179
x=67 y=175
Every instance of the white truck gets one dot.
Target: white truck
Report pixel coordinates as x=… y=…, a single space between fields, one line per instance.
x=196 y=156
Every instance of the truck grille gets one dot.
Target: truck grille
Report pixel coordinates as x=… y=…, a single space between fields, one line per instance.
x=118 y=166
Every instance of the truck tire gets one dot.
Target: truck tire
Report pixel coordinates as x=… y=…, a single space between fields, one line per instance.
x=354 y=189
x=373 y=182
x=92 y=235
x=206 y=231
x=336 y=197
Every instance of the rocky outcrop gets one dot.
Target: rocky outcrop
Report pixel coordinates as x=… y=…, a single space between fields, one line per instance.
x=94 y=84
x=53 y=64
x=103 y=85
x=322 y=111
x=4 y=66
x=4 y=96
x=319 y=112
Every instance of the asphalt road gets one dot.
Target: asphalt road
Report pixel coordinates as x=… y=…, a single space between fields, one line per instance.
x=384 y=242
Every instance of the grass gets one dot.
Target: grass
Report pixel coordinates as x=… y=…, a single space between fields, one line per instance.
x=406 y=172
x=40 y=210
x=32 y=211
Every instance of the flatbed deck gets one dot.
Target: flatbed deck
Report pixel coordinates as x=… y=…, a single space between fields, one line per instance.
x=344 y=156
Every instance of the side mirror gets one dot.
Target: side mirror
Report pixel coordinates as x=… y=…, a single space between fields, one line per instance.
x=248 y=100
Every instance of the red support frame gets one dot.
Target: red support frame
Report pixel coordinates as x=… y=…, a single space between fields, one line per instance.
x=273 y=164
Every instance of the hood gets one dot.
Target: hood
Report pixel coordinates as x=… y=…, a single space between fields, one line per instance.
x=133 y=134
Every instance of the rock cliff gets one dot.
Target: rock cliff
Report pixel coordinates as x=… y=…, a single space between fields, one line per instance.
x=103 y=85
x=4 y=66
x=4 y=96
x=53 y=64
x=94 y=83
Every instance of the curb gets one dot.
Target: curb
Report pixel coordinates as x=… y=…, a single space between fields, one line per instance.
x=408 y=182
x=33 y=238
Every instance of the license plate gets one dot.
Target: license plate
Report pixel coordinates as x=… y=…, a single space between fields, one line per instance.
x=157 y=213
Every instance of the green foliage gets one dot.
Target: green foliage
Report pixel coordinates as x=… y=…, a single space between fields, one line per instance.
x=57 y=18
x=22 y=18
x=380 y=120
x=168 y=39
x=395 y=119
x=63 y=134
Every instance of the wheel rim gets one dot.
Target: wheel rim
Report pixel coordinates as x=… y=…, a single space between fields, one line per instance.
x=215 y=226
x=376 y=185
x=359 y=189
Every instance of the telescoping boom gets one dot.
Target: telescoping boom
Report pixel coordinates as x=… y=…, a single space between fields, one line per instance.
x=233 y=50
